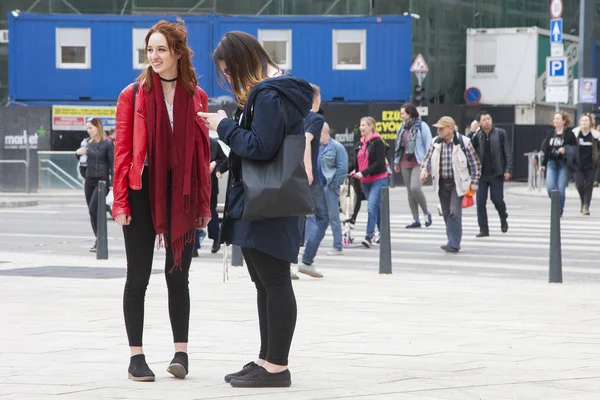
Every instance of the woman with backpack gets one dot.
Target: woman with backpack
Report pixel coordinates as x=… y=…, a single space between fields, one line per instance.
x=162 y=185
x=412 y=142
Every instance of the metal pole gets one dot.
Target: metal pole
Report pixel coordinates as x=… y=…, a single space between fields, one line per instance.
x=385 y=243
x=237 y=259
x=27 y=162
x=587 y=11
x=555 y=246
x=101 y=238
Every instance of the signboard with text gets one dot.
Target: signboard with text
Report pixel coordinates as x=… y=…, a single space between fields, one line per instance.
x=74 y=118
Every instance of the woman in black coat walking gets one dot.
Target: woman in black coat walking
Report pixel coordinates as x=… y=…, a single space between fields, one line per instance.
x=268 y=245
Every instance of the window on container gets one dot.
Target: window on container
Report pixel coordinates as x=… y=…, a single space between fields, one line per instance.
x=139 y=47
x=278 y=44
x=484 y=56
x=349 y=49
x=73 y=48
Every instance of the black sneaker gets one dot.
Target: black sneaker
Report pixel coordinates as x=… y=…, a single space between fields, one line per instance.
x=179 y=366
x=215 y=247
x=246 y=369
x=261 y=378
x=504 y=225
x=482 y=234
x=93 y=249
x=414 y=224
x=428 y=220
x=139 y=371
x=195 y=253
x=368 y=242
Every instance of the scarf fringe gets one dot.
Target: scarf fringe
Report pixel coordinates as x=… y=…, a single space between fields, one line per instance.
x=177 y=246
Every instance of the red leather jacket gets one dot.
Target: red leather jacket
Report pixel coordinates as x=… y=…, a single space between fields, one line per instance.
x=131 y=148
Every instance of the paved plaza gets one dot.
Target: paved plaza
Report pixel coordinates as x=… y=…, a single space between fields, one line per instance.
x=481 y=324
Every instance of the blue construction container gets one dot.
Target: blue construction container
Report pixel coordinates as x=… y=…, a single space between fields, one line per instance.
x=105 y=44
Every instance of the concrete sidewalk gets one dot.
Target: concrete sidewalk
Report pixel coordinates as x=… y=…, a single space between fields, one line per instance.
x=359 y=335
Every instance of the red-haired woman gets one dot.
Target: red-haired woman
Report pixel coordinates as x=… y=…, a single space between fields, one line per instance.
x=162 y=184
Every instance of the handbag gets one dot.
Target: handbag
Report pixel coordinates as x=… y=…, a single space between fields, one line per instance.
x=279 y=187
x=468 y=200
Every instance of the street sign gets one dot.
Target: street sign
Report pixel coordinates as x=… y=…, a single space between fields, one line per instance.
x=557 y=94
x=556 y=71
x=557 y=50
x=556 y=30
x=472 y=95
x=419 y=65
x=556 y=8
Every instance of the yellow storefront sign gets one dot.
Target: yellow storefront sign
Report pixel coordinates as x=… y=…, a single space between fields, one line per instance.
x=84 y=111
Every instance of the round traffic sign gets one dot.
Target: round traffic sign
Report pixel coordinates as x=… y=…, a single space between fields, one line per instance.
x=472 y=95
x=556 y=8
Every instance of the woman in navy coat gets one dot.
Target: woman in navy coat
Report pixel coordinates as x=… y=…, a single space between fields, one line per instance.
x=269 y=246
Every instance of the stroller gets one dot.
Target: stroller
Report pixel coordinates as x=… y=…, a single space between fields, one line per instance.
x=347 y=206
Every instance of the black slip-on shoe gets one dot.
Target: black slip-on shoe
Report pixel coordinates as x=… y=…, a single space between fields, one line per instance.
x=139 y=371
x=246 y=369
x=482 y=234
x=179 y=366
x=261 y=378
x=449 y=249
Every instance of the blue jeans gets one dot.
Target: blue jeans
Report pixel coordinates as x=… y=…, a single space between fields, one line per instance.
x=451 y=204
x=316 y=224
x=333 y=207
x=373 y=195
x=557 y=178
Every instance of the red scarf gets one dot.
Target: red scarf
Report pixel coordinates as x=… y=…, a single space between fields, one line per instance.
x=176 y=151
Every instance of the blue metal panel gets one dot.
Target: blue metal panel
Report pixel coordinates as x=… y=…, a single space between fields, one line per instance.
x=33 y=76
x=389 y=50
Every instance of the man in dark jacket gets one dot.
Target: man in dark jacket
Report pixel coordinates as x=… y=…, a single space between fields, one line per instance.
x=493 y=149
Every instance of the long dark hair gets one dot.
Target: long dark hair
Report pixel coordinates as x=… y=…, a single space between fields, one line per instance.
x=176 y=36
x=246 y=61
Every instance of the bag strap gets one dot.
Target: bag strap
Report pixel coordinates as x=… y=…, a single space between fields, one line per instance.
x=135 y=90
x=286 y=123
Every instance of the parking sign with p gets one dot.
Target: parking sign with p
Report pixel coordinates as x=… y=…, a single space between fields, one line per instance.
x=556 y=70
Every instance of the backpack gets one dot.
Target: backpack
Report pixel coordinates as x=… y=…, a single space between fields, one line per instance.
x=457 y=140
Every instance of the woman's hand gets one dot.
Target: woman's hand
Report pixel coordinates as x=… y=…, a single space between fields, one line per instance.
x=561 y=150
x=219 y=175
x=213 y=165
x=213 y=120
x=123 y=219
x=358 y=175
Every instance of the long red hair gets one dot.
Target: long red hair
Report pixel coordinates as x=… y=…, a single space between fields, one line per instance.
x=176 y=36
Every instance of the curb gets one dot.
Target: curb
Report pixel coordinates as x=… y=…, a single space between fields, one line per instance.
x=571 y=193
x=16 y=204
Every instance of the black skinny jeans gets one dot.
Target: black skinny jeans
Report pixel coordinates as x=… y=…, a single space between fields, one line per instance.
x=276 y=304
x=584 y=181
x=90 y=188
x=139 y=247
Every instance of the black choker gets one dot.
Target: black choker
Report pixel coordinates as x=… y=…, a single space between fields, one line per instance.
x=167 y=80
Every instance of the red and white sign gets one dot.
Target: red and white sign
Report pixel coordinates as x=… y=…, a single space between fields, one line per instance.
x=68 y=123
x=419 y=65
x=556 y=8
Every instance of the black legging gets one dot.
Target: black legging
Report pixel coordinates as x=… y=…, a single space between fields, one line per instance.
x=276 y=304
x=139 y=247
x=91 y=198
x=213 y=225
x=358 y=191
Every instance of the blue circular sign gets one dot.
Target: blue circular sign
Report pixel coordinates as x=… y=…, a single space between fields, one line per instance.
x=472 y=95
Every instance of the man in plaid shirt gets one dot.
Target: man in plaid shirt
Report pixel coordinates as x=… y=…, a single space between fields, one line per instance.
x=455 y=169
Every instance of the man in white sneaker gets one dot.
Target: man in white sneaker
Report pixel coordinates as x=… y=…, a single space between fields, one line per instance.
x=332 y=167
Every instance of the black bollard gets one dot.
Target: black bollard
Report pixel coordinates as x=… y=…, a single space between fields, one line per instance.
x=102 y=231
x=385 y=242
x=555 y=246
x=237 y=259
